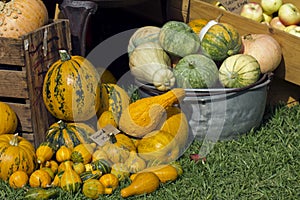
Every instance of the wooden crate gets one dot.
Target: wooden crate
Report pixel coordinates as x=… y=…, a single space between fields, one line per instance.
x=23 y=65
x=288 y=71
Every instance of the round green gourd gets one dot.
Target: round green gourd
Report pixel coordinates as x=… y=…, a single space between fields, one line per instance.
x=178 y=38
x=239 y=70
x=220 y=41
x=196 y=71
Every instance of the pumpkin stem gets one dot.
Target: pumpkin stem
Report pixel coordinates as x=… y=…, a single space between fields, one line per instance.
x=191 y=65
x=14 y=141
x=61 y=124
x=64 y=56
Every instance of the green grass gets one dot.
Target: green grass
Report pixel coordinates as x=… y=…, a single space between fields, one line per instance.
x=262 y=164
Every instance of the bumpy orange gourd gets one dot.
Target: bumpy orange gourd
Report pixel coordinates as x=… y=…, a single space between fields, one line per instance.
x=144 y=183
x=18 y=17
x=143 y=116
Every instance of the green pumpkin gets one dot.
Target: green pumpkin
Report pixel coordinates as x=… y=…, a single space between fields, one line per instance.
x=220 y=41
x=69 y=134
x=239 y=70
x=179 y=39
x=196 y=71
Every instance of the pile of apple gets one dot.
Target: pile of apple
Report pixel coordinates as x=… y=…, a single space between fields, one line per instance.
x=279 y=15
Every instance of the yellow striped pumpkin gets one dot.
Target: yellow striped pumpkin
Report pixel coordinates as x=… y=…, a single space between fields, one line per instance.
x=16 y=153
x=71 y=89
x=69 y=134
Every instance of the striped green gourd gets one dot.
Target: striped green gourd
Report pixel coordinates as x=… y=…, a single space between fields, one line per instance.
x=196 y=71
x=87 y=175
x=71 y=88
x=220 y=41
x=69 y=134
x=103 y=165
x=239 y=70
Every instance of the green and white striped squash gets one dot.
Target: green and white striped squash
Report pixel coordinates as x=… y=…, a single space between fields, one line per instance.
x=196 y=71
x=143 y=35
x=71 y=88
x=239 y=70
x=178 y=39
x=69 y=134
x=220 y=41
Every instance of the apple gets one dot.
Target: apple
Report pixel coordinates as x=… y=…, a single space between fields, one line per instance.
x=289 y=14
x=293 y=29
x=252 y=11
x=270 y=6
x=276 y=23
x=267 y=18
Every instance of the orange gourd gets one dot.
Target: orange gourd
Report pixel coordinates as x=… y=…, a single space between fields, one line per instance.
x=165 y=173
x=144 y=183
x=109 y=181
x=40 y=178
x=18 y=179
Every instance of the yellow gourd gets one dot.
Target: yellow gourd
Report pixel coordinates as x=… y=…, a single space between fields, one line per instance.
x=52 y=164
x=134 y=163
x=106 y=118
x=99 y=154
x=44 y=152
x=39 y=178
x=144 y=183
x=92 y=188
x=83 y=153
x=144 y=115
x=70 y=180
x=165 y=173
x=18 y=179
x=120 y=170
x=176 y=124
x=63 y=153
x=109 y=181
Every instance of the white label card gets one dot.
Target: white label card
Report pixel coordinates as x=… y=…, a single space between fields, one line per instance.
x=103 y=135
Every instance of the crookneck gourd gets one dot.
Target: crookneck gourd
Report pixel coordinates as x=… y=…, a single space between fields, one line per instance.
x=144 y=115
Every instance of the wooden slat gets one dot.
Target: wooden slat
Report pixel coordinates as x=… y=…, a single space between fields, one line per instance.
x=28 y=136
x=11 y=51
x=13 y=84
x=289 y=68
x=24 y=115
x=43 y=46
